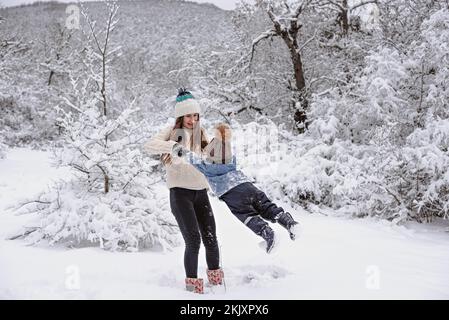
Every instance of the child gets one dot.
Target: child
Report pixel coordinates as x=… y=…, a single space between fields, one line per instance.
x=230 y=185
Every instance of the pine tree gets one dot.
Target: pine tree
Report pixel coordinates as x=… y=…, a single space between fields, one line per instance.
x=109 y=198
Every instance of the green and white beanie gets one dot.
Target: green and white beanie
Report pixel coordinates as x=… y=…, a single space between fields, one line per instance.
x=186 y=104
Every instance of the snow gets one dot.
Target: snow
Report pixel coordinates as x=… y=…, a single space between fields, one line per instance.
x=334 y=258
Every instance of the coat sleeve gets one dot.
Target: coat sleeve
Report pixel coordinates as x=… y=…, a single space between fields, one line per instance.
x=160 y=143
x=207 y=168
x=197 y=162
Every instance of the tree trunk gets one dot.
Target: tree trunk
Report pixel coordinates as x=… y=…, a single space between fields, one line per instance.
x=289 y=35
x=106 y=183
x=103 y=88
x=345 y=18
x=345 y=22
x=300 y=115
x=51 y=76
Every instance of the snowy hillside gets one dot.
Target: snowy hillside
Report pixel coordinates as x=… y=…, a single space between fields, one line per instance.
x=333 y=259
x=157 y=44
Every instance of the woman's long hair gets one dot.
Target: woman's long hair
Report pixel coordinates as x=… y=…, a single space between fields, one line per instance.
x=175 y=136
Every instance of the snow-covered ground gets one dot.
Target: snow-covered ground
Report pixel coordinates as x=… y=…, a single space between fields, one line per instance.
x=335 y=258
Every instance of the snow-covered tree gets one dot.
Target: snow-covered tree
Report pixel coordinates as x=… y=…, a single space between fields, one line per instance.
x=224 y=80
x=109 y=199
x=57 y=45
x=423 y=163
x=286 y=24
x=24 y=95
x=288 y=64
x=395 y=110
x=345 y=11
x=16 y=96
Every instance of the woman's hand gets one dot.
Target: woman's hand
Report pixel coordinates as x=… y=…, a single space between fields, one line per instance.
x=178 y=150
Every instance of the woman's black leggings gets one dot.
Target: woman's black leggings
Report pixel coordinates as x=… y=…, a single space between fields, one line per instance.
x=194 y=215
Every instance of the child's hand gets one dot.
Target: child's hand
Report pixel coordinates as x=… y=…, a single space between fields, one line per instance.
x=222 y=131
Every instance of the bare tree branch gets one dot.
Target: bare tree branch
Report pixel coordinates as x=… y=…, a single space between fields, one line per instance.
x=307 y=42
x=91 y=25
x=339 y=6
x=23 y=234
x=362 y=4
x=265 y=35
x=301 y=7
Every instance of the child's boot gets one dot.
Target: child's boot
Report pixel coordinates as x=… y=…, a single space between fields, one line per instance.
x=195 y=285
x=270 y=238
x=286 y=220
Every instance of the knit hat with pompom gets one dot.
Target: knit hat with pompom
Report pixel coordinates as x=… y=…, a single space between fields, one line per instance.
x=186 y=104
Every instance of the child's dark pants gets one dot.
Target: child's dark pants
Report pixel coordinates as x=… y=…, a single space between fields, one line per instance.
x=249 y=204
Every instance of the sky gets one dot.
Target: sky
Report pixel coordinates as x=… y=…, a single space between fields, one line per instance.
x=224 y=4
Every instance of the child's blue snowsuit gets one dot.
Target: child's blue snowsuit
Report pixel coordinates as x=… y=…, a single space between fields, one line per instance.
x=244 y=199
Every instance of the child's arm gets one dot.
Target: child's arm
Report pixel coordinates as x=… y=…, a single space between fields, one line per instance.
x=196 y=161
x=205 y=167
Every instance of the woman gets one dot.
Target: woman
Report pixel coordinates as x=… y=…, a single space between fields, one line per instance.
x=189 y=201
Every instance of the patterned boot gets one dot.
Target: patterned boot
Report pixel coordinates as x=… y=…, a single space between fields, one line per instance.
x=195 y=285
x=215 y=277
